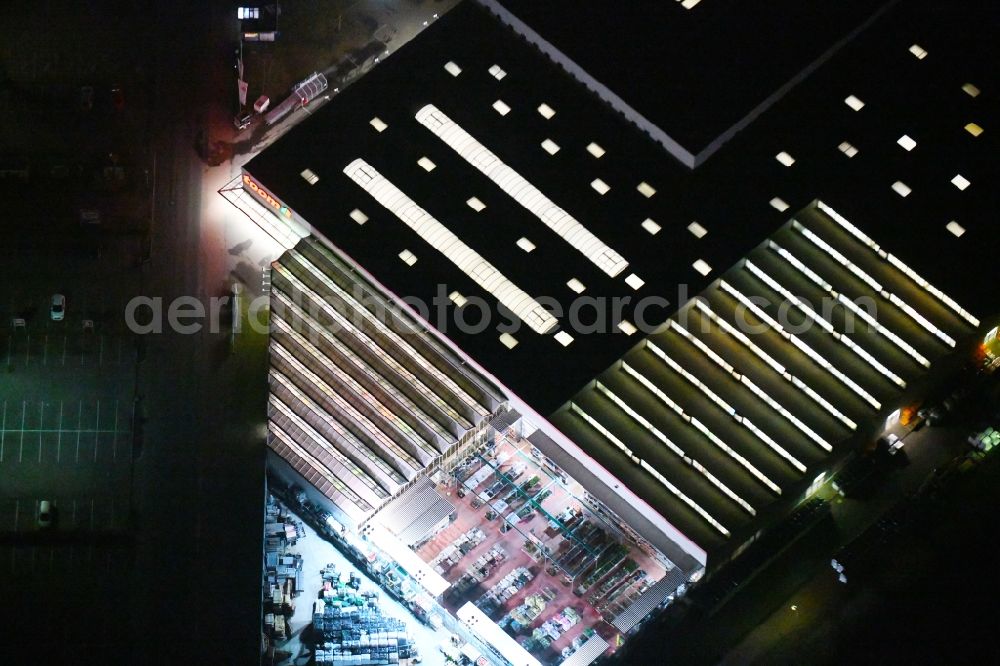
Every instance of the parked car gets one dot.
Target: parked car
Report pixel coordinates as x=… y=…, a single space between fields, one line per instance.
x=45 y=513
x=58 y=309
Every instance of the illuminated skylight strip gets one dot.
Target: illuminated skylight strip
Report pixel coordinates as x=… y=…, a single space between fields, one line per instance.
x=800 y=345
x=643 y=381
x=773 y=364
x=608 y=435
x=824 y=324
x=380 y=442
x=838 y=257
x=362 y=365
x=523 y=192
x=874 y=284
x=882 y=330
x=337 y=431
x=714 y=397
x=655 y=432
x=743 y=379
x=401 y=345
x=850 y=305
x=451 y=246
x=334 y=371
x=321 y=468
x=892 y=259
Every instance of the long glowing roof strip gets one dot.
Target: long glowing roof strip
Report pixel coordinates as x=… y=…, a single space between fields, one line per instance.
x=874 y=284
x=756 y=390
x=658 y=434
x=362 y=366
x=643 y=381
x=451 y=246
x=742 y=420
x=825 y=325
x=397 y=339
x=322 y=440
x=895 y=261
x=920 y=319
x=350 y=411
x=522 y=191
x=800 y=345
x=610 y=436
x=376 y=349
x=838 y=257
x=774 y=365
x=885 y=332
x=337 y=372
x=850 y=305
x=320 y=468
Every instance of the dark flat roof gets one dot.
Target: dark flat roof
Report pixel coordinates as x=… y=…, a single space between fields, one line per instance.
x=729 y=195
x=712 y=64
x=539 y=369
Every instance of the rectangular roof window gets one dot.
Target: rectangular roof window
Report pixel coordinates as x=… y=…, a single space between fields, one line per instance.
x=508 y=340
x=848 y=149
x=627 y=327
x=785 y=158
x=973 y=129
x=698 y=230
x=634 y=281
x=564 y=338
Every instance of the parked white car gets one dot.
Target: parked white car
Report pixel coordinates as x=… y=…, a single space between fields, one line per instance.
x=58 y=309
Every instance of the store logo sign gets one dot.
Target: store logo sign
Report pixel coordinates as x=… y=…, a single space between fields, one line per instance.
x=259 y=190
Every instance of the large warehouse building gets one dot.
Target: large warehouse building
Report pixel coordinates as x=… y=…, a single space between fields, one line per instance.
x=486 y=300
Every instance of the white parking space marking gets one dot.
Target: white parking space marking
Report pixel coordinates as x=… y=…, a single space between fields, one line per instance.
x=41 y=426
x=59 y=441
x=24 y=411
x=3 y=430
x=79 y=418
x=114 y=441
x=97 y=441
